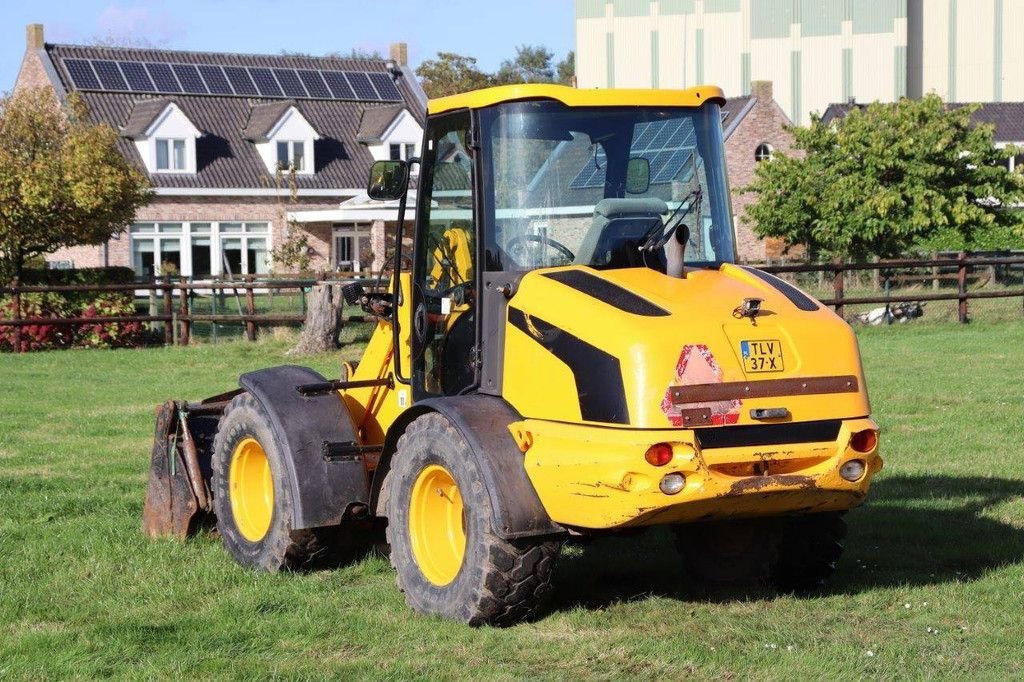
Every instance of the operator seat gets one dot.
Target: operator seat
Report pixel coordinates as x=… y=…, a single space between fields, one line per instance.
x=618 y=227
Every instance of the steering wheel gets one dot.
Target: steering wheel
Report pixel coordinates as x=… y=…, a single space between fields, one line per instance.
x=517 y=242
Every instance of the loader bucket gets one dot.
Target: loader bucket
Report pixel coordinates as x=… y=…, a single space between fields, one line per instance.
x=179 y=495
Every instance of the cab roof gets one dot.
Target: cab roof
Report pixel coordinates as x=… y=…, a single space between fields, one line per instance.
x=574 y=97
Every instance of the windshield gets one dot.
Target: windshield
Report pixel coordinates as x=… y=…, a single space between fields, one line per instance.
x=606 y=187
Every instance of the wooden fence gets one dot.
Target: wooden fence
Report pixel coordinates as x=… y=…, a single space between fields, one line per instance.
x=183 y=316
x=963 y=265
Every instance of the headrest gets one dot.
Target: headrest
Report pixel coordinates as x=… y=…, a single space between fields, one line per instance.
x=620 y=208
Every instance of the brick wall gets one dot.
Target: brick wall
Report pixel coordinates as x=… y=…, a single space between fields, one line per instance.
x=764 y=123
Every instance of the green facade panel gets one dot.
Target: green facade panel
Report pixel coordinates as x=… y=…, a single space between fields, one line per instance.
x=877 y=16
x=821 y=17
x=721 y=6
x=770 y=18
x=901 y=73
x=951 y=84
x=699 y=49
x=631 y=8
x=676 y=7
x=655 y=76
x=589 y=9
x=745 y=73
x=847 y=74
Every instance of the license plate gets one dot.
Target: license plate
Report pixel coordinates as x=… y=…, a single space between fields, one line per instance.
x=763 y=355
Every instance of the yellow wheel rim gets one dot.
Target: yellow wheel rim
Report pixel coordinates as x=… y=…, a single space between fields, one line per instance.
x=251 y=486
x=436 y=525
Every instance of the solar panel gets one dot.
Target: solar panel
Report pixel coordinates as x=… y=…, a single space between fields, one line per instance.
x=110 y=75
x=290 y=82
x=265 y=82
x=137 y=77
x=82 y=74
x=385 y=86
x=163 y=77
x=216 y=82
x=361 y=86
x=188 y=76
x=338 y=84
x=315 y=85
x=240 y=80
x=666 y=144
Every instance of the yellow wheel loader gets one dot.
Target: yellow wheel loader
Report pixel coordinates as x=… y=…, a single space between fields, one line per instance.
x=572 y=351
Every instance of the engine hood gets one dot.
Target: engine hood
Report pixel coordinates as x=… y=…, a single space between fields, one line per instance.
x=636 y=348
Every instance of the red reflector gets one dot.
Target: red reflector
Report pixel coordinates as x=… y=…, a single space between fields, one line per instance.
x=659 y=454
x=864 y=441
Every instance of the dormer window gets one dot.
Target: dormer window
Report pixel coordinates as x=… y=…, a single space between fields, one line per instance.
x=402 y=152
x=284 y=138
x=171 y=155
x=291 y=155
x=164 y=136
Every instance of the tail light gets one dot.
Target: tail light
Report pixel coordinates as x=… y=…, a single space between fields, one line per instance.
x=864 y=441
x=659 y=454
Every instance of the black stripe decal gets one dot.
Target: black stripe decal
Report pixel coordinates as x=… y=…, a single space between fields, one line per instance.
x=608 y=292
x=796 y=297
x=598 y=375
x=767 y=434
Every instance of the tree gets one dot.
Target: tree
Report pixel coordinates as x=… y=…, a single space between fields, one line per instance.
x=63 y=181
x=886 y=178
x=450 y=74
x=532 y=64
x=565 y=70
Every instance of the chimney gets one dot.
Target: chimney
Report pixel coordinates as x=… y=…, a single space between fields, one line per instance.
x=34 y=37
x=761 y=90
x=400 y=53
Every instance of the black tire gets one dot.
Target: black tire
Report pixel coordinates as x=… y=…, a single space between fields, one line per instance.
x=808 y=553
x=500 y=582
x=282 y=547
x=792 y=554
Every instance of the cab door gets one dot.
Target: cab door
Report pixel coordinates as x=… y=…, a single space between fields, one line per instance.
x=444 y=291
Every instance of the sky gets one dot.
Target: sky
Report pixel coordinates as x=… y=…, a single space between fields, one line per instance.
x=485 y=29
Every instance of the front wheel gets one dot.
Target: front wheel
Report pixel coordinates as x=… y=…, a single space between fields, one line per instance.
x=252 y=498
x=448 y=558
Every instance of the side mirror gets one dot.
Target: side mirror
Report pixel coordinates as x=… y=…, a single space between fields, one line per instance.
x=638 y=175
x=388 y=180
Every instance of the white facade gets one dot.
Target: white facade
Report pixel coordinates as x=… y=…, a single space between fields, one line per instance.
x=169 y=143
x=297 y=135
x=816 y=52
x=405 y=132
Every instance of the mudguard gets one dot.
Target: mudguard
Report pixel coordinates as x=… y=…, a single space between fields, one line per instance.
x=483 y=422
x=322 y=490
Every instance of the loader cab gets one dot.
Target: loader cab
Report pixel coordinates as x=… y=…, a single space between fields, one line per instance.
x=509 y=187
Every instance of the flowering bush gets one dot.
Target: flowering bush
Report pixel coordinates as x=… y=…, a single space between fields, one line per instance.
x=110 y=334
x=37 y=336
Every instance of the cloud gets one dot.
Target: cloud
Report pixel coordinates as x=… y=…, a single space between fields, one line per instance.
x=139 y=24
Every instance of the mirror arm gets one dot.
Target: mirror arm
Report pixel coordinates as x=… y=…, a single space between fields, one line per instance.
x=396 y=293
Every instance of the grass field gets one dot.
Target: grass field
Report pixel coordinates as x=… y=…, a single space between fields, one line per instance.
x=932 y=584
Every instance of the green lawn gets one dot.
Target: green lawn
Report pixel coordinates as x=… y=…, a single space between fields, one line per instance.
x=932 y=584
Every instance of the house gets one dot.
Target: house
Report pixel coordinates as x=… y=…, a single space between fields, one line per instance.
x=755 y=128
x=1006 y=118
x=241 y=150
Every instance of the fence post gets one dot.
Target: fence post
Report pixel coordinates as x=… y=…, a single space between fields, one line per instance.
x=250 y=309
x=961 y=276
x=16 y=285
x=168 y=311
x=183 y=313
x=837 y=285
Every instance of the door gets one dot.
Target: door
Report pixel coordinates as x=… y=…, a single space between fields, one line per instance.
x=351 y=248
x=444 y=272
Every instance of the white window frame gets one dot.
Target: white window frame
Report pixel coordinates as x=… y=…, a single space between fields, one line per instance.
x=172 y=167
x=360 y=235
x=758 y=158
x=290 y=163
x=251 y=229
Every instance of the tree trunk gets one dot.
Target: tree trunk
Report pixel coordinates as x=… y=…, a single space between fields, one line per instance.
x=323 y=321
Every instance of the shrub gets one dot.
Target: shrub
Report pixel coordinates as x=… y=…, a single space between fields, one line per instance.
x=37 y=336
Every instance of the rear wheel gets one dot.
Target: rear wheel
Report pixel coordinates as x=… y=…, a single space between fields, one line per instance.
x=448 y=558
x=252 y=497
x=793 y=554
